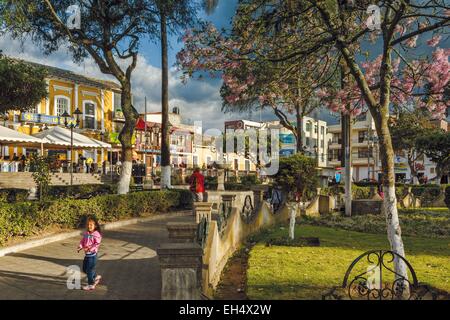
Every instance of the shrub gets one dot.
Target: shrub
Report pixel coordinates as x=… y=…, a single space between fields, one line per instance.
x=415 y=222
x=81 y=191
x=11 y=195
x=26 y=218
x=296 y=175
x=211 y=183
x=361 y=192
x=250 y=180
x=447 y=196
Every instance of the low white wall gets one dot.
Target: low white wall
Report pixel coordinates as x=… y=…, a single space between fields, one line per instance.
x=220 y=247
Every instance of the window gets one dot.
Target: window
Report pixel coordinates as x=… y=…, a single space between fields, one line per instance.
x=35 y=109
x=89 y=116
x=336 y=138
x=61 y=105
x=315 y=129
x=335 y=155
x=361 y=117
x=322 y=143
x=247 y=165
x=117 y=101
x=307 y=141
x=308 y=126
x=195 y=161
x=432 y=170
x=362 y=136
x=322 y=130
x=364 y=153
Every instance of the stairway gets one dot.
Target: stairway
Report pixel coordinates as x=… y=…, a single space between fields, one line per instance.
x=24 y=180
x=58 y=179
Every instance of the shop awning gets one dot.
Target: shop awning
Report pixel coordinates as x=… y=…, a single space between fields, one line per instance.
x=57 y=136
x=10 y=136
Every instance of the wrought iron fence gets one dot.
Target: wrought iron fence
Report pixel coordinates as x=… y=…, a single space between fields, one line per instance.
x=224 y=213
x=202 y=232
x=248 y=211
x=379 y=280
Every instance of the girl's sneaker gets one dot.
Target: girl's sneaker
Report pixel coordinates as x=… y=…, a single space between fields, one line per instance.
x=89 y=287
x=97 y=280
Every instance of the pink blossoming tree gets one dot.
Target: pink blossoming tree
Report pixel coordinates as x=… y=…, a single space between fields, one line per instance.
x=339 y=31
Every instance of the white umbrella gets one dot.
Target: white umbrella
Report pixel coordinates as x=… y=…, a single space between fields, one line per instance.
x=9 y=136
x=57 y=136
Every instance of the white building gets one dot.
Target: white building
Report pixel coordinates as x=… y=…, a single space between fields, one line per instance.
x=366 y=162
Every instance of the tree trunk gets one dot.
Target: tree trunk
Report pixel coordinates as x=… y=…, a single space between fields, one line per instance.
x=412 y=169
x=125 y=138
x=390 y=201
x=292 y=214
x=165 y=143
x=298 y=129
x=387 y=160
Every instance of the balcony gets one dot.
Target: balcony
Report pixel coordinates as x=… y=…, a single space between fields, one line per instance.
x=118 y=116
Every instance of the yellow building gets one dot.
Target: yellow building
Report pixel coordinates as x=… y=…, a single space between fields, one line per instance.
x=98 y=100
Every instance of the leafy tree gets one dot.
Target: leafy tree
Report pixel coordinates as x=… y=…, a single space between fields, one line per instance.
x=22 y=86
x=406 y=129
x=41 y=173
x=436 y=146
x=297 y=176
x=173 y=16
x=110 y=33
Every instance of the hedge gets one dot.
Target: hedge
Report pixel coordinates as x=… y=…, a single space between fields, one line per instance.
x=81 y=191
x=11 y=195
x=27 y=218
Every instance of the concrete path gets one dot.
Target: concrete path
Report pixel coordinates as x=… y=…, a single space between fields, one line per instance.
x=127 y=262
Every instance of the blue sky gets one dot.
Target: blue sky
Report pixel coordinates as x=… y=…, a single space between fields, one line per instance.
x=197 y=100
x=221 y=18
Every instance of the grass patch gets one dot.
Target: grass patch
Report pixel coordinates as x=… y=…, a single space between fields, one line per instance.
x=286 y=272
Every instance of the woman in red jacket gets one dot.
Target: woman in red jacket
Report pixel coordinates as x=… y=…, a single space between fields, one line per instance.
x=197 y=185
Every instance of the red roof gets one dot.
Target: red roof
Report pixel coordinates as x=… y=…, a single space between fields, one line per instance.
x=140 y=125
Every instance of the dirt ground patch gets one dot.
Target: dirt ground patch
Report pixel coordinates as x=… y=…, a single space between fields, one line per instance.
x=233 y=283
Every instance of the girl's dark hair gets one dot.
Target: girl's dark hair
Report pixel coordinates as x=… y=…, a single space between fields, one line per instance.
x=97 y=224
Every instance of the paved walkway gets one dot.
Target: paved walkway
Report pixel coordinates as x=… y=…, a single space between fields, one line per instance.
x=127 y=261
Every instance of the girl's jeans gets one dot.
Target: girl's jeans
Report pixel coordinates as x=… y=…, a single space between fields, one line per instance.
x=89 y=263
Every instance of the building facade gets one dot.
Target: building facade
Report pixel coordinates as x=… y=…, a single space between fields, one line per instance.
x=366 y=161
x=98 y=100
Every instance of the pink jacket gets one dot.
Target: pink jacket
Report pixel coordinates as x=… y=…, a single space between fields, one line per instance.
x=91 y=241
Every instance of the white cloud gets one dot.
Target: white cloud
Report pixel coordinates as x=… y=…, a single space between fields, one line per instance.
x=197 y=100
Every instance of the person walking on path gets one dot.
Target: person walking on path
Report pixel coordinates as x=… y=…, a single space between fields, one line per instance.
x=197 y=185
x=90 y=243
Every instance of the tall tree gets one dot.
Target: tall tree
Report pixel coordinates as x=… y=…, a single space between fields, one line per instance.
x=406 y=129
x=110 y=32
x=436 y=146
x=22 y=86
x=174 y=15
x=250 y=79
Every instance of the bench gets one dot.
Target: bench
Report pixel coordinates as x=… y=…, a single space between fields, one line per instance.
x=371 y=276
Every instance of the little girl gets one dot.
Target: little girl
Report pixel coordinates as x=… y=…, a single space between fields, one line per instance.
x=90 y=243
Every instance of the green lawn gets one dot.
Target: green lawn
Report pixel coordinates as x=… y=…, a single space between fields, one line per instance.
x=282 y=272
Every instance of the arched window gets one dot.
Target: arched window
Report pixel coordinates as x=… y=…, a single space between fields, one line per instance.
x=89 y=115
x=62 y=104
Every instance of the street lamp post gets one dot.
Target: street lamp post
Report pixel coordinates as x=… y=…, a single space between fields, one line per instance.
x=71 y=125
x=155 y=132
